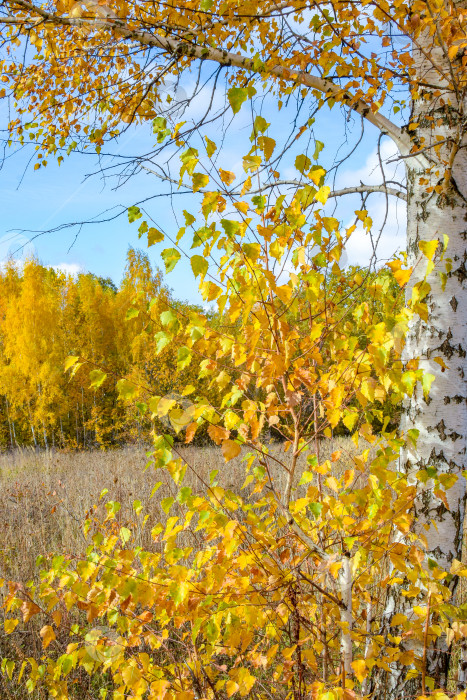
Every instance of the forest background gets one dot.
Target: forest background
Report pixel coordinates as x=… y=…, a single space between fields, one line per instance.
x=47 y=315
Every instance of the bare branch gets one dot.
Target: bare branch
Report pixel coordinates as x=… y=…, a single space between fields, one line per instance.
x=358 y=189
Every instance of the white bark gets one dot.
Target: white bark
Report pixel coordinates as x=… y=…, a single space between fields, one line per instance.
x=441 y=419
x=346 y=613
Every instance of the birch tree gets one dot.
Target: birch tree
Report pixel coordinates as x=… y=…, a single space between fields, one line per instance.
x=80 y=73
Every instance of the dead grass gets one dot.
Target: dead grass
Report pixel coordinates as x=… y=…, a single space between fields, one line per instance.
x=46 y=496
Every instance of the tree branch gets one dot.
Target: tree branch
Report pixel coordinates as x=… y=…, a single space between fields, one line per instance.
x=179 y=48
x=358 y=189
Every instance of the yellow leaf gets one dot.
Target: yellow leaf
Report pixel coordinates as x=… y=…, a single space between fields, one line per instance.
x=246 y=186
x=131 y=675
x=428 y=248
x=230 y=450
x=164 y=405
x=10 y=625
x=360 y=668
x=48 y=635
x=242 y=207
x=179 y=419
x=245 y=681
x=211 y=147
x=57 y=617
x=398 y=619
x=70 y=361
x=323 y=194
x=226 y=176
x=284 y=293
x=231 y=688
x=402 y=276
x=316 y=176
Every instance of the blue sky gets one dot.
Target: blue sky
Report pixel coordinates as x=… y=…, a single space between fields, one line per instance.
x=55 y=195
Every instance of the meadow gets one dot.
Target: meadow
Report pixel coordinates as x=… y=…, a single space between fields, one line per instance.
x=45 y=496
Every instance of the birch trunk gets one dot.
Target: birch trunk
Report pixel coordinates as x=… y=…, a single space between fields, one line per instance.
x=441 y=419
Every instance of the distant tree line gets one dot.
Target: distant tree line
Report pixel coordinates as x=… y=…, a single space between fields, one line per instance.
x=47 y=315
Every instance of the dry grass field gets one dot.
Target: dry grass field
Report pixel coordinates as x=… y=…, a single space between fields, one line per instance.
x=46 y=496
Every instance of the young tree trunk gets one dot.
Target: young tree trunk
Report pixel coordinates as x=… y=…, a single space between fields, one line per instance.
x=9 y=424
x=441 y=419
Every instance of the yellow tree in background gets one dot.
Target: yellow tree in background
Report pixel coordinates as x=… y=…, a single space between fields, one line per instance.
x=47 y=315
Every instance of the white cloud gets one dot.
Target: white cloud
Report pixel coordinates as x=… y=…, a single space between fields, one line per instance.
x=72 y=269
x=390 y=214
x=370 y=172
x=392 y=239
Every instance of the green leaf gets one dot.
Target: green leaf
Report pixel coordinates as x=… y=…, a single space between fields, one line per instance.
x=131 y=313
x=230 y=227
x=168 y=317
x=126 y=390
x=302 y=163
x=155 y=236
x=189 y=159
x=112 y=508
x=199 y=265
x=166 y=504
x=189 y=218
x=200 y=180
x=142 y=229
x=237 y=97
x=259 y=201
x=197 y=332
x=315 y=508
x=252 y=251
x=319 y=145
x=170 y=256
x=134 y=213
x=125 y=534
x=162 y=340
x=183 y=358
x=97 y=378
x=306 y=478
x=159 y=124
x=201 y=235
